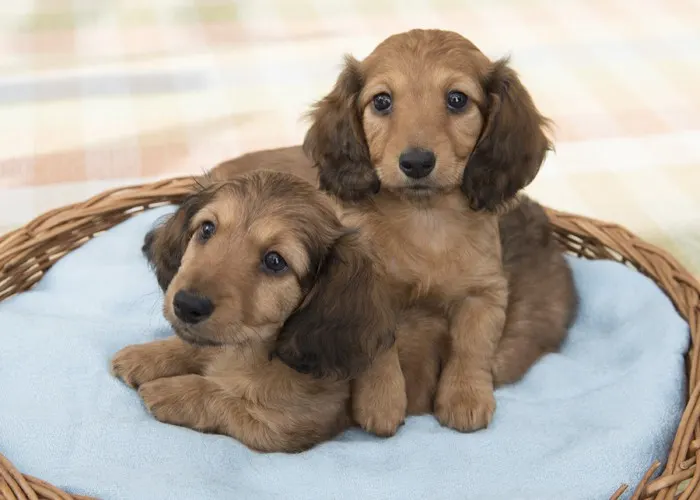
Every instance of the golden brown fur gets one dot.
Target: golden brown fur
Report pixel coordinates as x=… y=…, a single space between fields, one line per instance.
x=541 y=306
x=438 y=233
x=219 y=373
x=222 y=374
x=439 y=236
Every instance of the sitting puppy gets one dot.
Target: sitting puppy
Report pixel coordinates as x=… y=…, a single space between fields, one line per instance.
x=426 y=144
x=243 y=263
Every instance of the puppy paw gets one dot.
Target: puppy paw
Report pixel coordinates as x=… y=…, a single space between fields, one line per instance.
x=465 y=406
x=174 y=400
x=134 y=365
x=380 y=410
x=381 y=418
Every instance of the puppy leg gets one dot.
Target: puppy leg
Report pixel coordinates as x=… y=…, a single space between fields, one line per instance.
x=379 y=395
x=201 y=404
x=140 y=363
x=465 y=400
x=185 y=400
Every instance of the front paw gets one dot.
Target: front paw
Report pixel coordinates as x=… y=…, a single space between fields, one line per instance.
x=380 y=412
x=381 y=418
x=174 y=400
x=134 y=365
x=465 y=406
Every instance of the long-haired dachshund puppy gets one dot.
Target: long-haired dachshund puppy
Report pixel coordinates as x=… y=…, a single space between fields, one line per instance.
x=426 y=142
x=245 y=264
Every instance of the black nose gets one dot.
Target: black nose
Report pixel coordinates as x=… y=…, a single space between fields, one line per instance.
x=192 y=308
x=417 y=163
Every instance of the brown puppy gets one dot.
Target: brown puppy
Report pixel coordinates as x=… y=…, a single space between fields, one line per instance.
x=245 y=264
x=426 y=141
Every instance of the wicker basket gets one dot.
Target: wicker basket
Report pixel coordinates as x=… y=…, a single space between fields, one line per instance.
x=26 y=253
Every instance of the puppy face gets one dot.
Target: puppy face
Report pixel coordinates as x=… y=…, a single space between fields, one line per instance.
x=426 y=113
x=422 y=115
x=263 y=258
x=244 y=266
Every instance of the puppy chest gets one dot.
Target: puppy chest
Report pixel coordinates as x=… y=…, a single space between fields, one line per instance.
x=431 y=263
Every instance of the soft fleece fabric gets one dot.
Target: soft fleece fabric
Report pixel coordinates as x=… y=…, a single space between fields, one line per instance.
x=581 y=422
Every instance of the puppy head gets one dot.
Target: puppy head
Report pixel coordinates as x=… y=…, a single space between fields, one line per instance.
x=264 y=258
x=426 y=113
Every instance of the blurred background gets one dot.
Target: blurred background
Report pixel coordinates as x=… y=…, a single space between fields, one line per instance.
x=98 y=94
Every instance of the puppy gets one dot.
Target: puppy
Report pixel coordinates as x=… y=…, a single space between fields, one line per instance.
x=246 y=265
x=425 y=143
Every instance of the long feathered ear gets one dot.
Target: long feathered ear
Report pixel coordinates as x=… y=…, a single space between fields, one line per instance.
x=512 y=145
x=165 y=245
x=346 y=319
x=336 y=143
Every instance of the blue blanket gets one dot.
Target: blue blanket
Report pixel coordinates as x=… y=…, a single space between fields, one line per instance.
x=581 y=422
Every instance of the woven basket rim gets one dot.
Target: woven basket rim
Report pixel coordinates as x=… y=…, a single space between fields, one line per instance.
x=27 y=252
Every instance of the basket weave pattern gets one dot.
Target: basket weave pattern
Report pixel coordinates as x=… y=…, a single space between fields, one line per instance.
x=26 y=254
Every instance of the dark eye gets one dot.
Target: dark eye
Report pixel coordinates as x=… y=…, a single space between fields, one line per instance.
x=456 y=100
x=382 y=102
x=274 y=263
x=206 y=230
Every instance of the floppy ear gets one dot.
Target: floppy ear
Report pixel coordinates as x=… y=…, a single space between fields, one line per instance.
x=165 y=245
x=512 y=145
x=345 y=320
x=336 y=143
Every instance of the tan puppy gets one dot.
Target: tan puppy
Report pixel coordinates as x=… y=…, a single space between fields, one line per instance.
x=245 y=264
x=426 y=141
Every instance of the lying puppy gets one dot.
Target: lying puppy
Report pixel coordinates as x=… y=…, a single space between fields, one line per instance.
x=425 y=143
x=242 y=264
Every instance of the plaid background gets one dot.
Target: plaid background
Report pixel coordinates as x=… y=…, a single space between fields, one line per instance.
x=95 y=94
